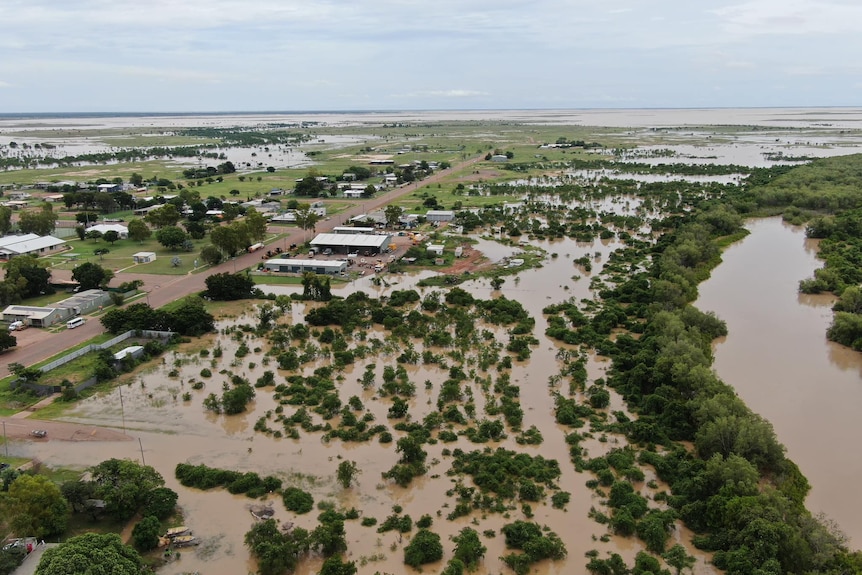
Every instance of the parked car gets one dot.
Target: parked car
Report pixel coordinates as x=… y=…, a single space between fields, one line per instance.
x=39 y=433
x=17 y=326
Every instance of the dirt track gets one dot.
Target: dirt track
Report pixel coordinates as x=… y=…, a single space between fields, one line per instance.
x=17 y=428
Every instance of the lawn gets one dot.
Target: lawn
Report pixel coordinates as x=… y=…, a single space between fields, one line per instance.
x=120 y=256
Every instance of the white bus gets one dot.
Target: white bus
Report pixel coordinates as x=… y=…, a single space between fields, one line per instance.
x=73 y=323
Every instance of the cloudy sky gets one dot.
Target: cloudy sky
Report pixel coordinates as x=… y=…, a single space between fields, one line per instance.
x=294 y=55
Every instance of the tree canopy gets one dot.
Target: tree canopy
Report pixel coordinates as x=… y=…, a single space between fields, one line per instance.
x=125 y=485
x=92 y=276
x=28 y=277
x=227 y=286
x=36 y=507
x=91 y=554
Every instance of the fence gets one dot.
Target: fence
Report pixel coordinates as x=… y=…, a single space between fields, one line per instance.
x=41 y=389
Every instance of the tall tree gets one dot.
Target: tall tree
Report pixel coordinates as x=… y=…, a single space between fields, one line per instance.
x=40 y=222
x=36 y=507
x=139 y=230
x=305 y=218
x=227 y=239
x=393 y=215
x=346 y=473
x=167 y=215
x=92 y=276
x=171 y=237
x=36 y=277
x=7 y=340
x=255 y=224
x=5 y=220
x=125 y=485
x=91 y=553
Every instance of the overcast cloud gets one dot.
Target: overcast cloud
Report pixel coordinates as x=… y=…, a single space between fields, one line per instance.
x=293 y=55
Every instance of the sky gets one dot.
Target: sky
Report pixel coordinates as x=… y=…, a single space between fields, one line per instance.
x=315 y=55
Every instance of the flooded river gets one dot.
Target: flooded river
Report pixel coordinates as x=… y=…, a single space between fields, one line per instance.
x=777 y=358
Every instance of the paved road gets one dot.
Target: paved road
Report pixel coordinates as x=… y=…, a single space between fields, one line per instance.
x=36 y=345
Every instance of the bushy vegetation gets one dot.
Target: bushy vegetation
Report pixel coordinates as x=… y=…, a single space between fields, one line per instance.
x=535 y=544
x=204 y=477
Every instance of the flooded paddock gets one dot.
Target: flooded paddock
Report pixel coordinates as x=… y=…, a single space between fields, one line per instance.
x=160 y=407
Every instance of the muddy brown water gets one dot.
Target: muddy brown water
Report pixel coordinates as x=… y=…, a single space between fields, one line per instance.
x=778 y=359
x=172 y=430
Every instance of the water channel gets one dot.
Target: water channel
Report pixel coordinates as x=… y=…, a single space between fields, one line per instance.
x=779 y=361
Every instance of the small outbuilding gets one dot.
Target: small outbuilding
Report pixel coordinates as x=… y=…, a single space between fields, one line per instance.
x=436 y=249
x=133 y=352
x=144 y=257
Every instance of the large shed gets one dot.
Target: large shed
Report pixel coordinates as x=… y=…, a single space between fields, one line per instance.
x=35 y=316
x=29 y=244
x=439 y=215
x=81 y=303
x=284 y=265
x=369 y=244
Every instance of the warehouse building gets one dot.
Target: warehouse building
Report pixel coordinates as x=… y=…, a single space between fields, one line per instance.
x=296 y=266
x=364 y=244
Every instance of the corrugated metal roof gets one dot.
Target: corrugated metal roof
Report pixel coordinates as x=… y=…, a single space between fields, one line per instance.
x=306 y=263
x=32 y=244
x=352 y=240
x=8 y=240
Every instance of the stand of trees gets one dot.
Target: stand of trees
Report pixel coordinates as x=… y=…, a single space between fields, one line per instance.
x=189 y=318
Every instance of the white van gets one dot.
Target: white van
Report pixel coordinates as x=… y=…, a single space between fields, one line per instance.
x=17 y=326
x=73 y=323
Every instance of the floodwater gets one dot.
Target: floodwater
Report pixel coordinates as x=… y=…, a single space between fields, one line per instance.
x=778 y=359
x=173 y=429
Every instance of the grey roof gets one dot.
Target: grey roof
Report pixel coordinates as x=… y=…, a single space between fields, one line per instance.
x=352 y=240
x=80 y=298
x=29 y=311
x=31 y=244
x=14 y=239
x=306 y=263
x=131 y=350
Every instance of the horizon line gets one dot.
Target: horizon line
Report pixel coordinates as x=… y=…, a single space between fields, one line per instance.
x=400 y=110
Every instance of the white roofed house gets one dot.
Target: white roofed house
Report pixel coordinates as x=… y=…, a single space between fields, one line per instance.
x=121 y=230
x=29 y=244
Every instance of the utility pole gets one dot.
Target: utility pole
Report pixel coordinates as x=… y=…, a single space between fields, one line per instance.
x=122 y=407
x=5 y=441
x=143 y=461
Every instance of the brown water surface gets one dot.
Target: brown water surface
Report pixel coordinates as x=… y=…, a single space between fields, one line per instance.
x=777 y=358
